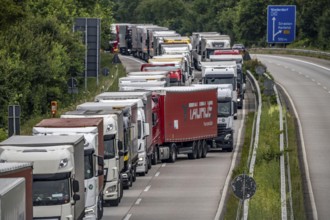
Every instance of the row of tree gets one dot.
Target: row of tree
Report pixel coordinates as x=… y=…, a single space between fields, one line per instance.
x=244 y=20
x=39 y=51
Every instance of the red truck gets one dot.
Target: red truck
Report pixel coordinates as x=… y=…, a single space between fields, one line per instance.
x=184 y=121
x=175 y=70
x=13 y=169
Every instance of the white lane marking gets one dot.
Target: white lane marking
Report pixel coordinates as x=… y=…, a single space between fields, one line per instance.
x=128 y=216
x=278 y=64
x=300 y=73
x=164 y=164
x=313 y=80
x=307 y=76
x=288 y=58
x=147 y=188
x=138 y=201
x=309 y=182
x=293 y=70
x=318 y=83
x=286 y=67
x=157 y=174
x=324 y=87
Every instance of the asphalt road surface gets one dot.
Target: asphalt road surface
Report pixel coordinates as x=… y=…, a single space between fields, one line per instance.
x=307 y=81
x=186 y=189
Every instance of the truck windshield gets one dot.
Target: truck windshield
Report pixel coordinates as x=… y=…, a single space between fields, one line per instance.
x=88 y=161
x=109 y=148
x=224 y=109
x=213 y=80
x=51 y=192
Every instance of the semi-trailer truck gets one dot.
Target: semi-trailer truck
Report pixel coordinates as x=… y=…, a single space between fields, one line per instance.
x=146 y=135
x=129 y=123
x=184 y=119
x=92 y=129
x=58 y=172
x=113 y=139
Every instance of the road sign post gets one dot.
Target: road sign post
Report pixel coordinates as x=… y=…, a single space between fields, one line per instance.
x=281 y=23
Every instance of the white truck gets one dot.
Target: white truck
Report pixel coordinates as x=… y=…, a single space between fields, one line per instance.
x=221 y=73
x=144 y=100
x=155 y=80
x=92 y=129
x=158 y=39
x=225 y=116
x=113 y=139
x=12 y=198
x=129 y=123
x=58 y=172
x=211 y=43
x=142 y=131
x=197 y=47
x=238 y=58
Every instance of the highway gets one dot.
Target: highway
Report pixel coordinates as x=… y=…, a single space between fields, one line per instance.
x=307 y=81
x=186 y=189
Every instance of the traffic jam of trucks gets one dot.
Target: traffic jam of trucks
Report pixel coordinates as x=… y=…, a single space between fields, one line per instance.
x=71 y=167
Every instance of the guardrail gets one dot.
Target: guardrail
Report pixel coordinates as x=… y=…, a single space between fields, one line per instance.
x=314 y=52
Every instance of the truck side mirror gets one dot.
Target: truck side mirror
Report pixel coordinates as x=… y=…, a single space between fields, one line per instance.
x=75 y=186
x=146 y=129
x=76 y=197
x=121 y=153
x=120 y=145
x=100 y=173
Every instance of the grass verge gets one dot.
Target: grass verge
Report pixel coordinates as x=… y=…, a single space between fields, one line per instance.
x=265 y=204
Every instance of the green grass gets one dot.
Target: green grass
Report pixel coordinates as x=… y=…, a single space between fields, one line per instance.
x=265 y=204
x=232 y=202
x=106 y=83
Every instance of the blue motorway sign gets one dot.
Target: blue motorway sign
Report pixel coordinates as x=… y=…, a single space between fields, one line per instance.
x=281 y=23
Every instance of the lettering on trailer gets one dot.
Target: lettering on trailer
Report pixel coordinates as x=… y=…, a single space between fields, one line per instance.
x=198 y=110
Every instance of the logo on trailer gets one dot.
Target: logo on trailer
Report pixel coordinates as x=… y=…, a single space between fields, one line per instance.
x=198 y=110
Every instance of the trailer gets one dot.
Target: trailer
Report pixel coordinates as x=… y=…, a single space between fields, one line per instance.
x=17 y=170
x=185 y=120
x=12 y=198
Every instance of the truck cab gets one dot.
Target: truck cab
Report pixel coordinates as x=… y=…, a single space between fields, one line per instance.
x=142 y=130
x=221 y=73
x=113 y=139
x=92 y=129
x=58 y=172
x=130 y=134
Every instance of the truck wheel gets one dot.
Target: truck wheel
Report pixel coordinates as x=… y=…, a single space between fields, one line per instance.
x=149 y=162
x=173 y=155
x=204 y=149
x=199 y=149
x=134 y=174
x=155 y=157
x=193 y=155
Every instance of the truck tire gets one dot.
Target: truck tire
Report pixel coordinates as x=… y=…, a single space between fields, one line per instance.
x=204 y=149
x=149 y=162
x=199 y=149
x=134 y=174
x=193 y=155
x=155 y=157
x=173 y=154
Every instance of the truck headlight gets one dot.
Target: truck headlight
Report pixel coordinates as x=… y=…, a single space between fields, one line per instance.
x=238 y=100
x=227 y=137
x=141 y=159
x=111 y=189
